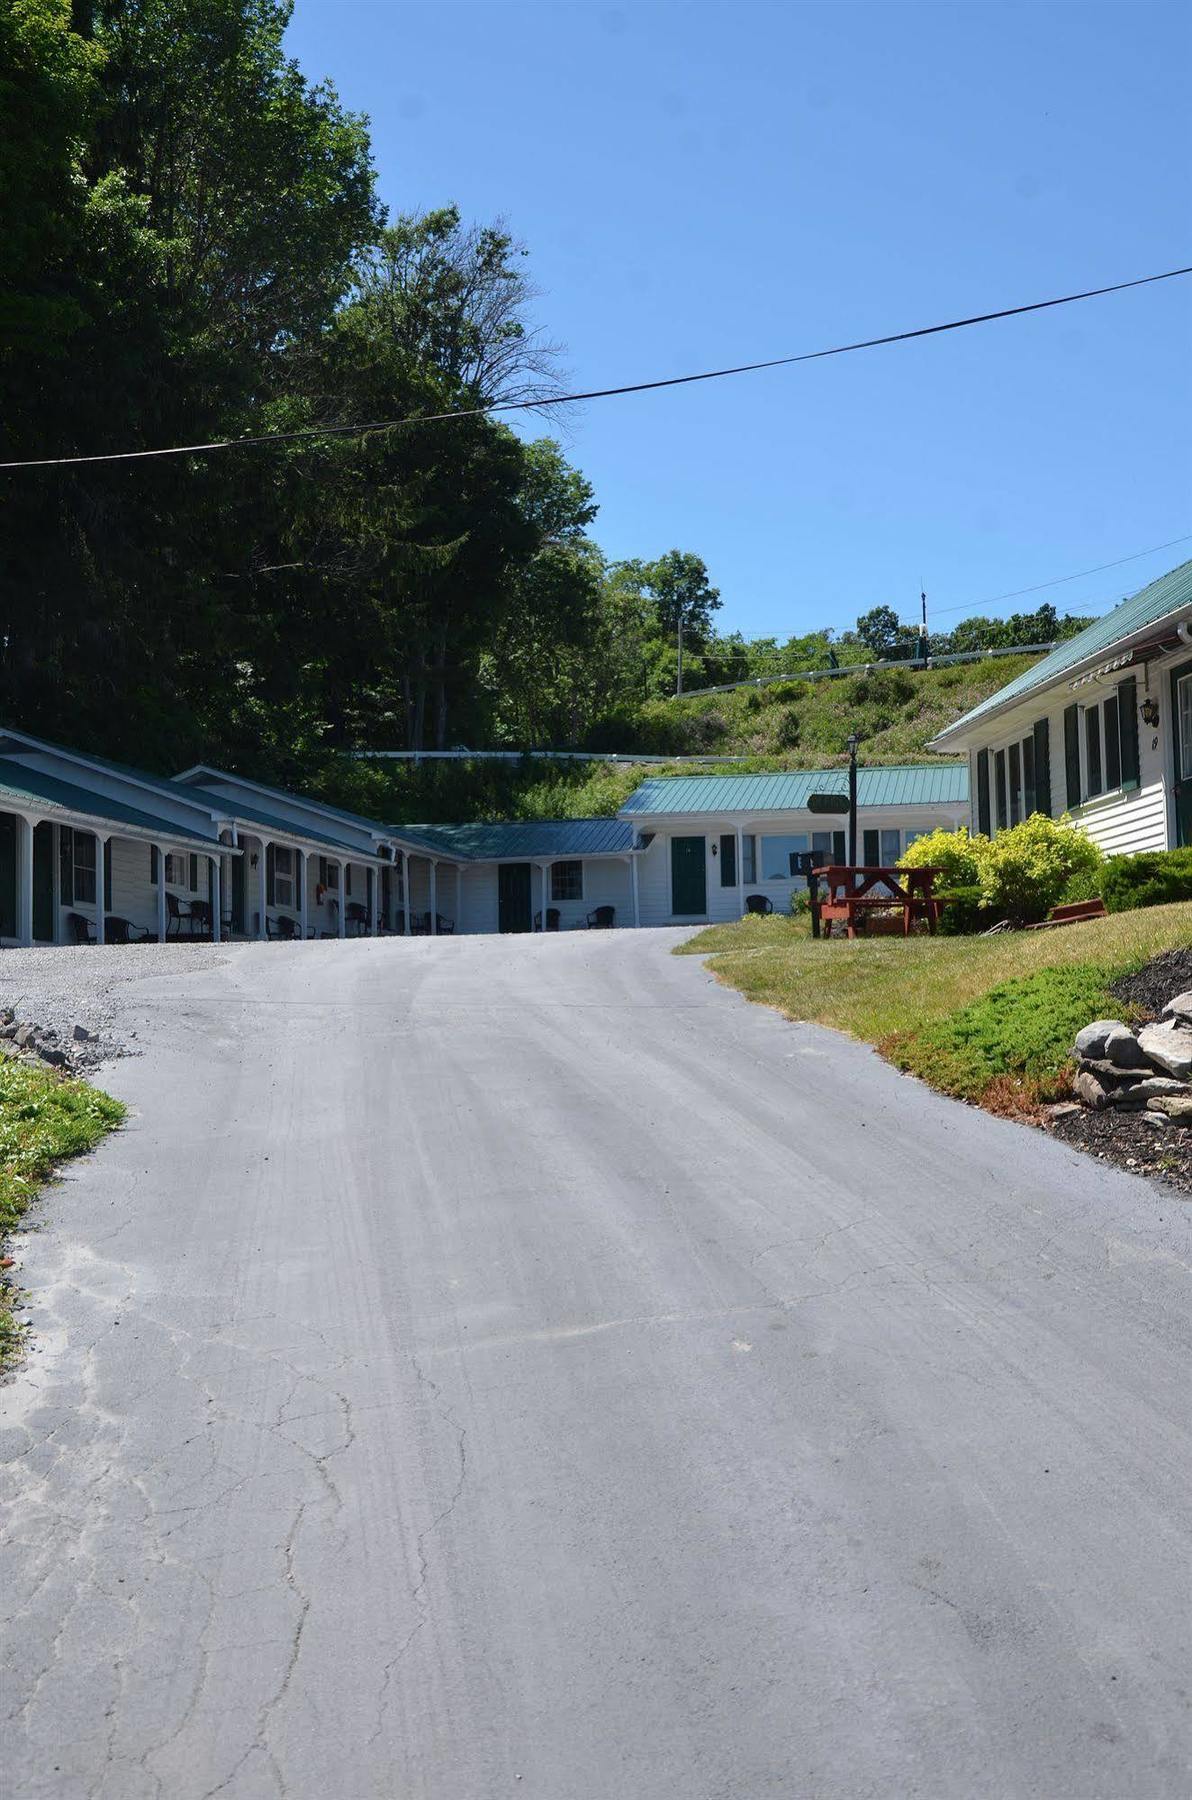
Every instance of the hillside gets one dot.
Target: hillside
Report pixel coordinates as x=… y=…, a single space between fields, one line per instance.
x=788 y=725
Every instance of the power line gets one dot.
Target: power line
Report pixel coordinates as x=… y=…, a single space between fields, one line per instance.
x=1017 y=593
x=636 y=387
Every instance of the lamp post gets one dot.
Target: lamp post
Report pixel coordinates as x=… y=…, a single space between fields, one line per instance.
x=853 y=741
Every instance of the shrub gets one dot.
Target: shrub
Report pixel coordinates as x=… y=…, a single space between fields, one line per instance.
x=953 y=853
x=1154 y=878
x=965 y=911
x=1022 y=1029
x=1026 y=870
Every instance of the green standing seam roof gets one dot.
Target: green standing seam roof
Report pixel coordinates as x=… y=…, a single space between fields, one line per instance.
x=285 y=828
x=191 y=778
x=522 y=839
x=907 y=784
x=22 y=784
x=1169 y=594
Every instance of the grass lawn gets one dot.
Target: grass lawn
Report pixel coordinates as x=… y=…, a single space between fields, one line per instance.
x=989 y=1019
x=43 y=1120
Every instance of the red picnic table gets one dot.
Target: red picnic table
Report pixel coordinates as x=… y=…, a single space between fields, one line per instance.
x=855 y=894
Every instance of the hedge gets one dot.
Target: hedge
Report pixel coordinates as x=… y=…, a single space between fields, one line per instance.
x=1154 y=878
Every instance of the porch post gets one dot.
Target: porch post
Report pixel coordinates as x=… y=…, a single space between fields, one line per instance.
x=302 y=900
x=161 y=893
x=740 y=874
x=262 y=916
x=24 y=919
x=637 y=910
x=405 y=893
x=374 y=901
x=341 y=928
x=434 y=898
x=101 y=851
x=216 y=900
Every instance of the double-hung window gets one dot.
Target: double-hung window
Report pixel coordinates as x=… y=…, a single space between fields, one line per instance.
x=567 y=880
x=1101 y=745
x=76 y=867
x=284 y=871
x=177 y=870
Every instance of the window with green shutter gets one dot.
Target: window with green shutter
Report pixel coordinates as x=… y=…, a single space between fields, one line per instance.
x=1127 y=710
x=1042 y=760
x=1072 y=792
x=999 y=784
x=983 y=819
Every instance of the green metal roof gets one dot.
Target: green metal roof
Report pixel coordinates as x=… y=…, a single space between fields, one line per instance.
x=905 y=784
x=524 y=839
x=21 y=785
x=282 y=828
x=1171 y=593
x=203 y=772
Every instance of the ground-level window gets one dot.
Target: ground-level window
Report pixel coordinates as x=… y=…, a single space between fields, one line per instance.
x=285 y=868
x=777 y=853
x=567 y=881
x=76 y=867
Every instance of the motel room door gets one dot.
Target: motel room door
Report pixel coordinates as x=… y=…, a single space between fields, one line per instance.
x=513 y=896
x=689 y=877
x=1181 y=733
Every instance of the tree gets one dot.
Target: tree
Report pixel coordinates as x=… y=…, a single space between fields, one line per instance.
x=880 y=630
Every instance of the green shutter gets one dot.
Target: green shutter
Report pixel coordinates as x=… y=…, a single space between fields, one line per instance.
x=999 y=780
x=194 y=874
x=65 y=865
x=153 y=864
x=347 y=881
x=728 y=859
x=1127 y=696
x=107 y=875
x=871 y=851
x=1072 y=756
x=270 y=875
x=839 y=852
x=983 y=819
x=1042 y=736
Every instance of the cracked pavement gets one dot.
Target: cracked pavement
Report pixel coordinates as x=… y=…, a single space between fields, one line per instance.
x=518 y=1366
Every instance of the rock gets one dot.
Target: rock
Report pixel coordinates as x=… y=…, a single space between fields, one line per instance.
x=1089 y=1089
x=1178 y=1108
x=53 y=1057
x=1063 y=1109
x=1169 y=1047
x=7 y=1016
x=1152 y=1088
x=1110 y=1075
x=8 y=1029
x=25 y=1035
x=1123 y=1049
x=81 y=1035
x=1181 y=1006
x=1159 y=1120
x=1092 y=1040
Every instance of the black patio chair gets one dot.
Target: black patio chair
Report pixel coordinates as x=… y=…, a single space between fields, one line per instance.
x=444 y=927
x=81 y=930
x=552 y=919
x=178 y=914
x=201 y=919
x=601 y=918
x=281 y=927
x=356 y=916
x=759 y=903
x=122 y=931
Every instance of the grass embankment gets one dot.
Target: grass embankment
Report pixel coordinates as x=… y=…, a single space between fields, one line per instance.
x=788 y=725
x=43 y=1120
x=986 y=1019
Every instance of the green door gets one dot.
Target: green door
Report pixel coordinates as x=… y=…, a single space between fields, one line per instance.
x=43 y=883
x=513 y=896
x=689 y=877
x=1181 y=695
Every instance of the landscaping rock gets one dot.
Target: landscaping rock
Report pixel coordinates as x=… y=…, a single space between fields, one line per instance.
x=8 y=1029
x=1170 y=1047
x=1152 y=1088
x=1123 y=1049
x=1109 y=1075
x=25 y=1036
x=1181 y=1006
x=53 y=1057
x=1091 y=1042
x=1090 y=1090
x=1176 y=1107
x=81 y=1035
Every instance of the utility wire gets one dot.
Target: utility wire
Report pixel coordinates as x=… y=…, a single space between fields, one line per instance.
x=636 y=387
x=1017 y=593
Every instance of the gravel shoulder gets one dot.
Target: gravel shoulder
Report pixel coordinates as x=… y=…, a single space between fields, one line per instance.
x=61 y=986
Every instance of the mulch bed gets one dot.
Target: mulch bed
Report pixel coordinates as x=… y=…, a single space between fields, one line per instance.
x=1124 y=1137
x=1157 y=982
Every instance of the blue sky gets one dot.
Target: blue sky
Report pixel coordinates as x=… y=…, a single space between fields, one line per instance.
x=703 y=183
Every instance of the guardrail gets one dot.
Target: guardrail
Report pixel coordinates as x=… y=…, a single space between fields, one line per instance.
x=599 y=756
x=894 y=662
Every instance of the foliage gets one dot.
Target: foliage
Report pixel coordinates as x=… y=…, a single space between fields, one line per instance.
x=1022 y=1028
x=43 y=1119
x=1024 y=871
x=1154 y=878
x=965 y=911
x=953 y=853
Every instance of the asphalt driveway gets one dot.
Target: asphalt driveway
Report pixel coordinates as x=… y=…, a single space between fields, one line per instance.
x=498 y=1367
